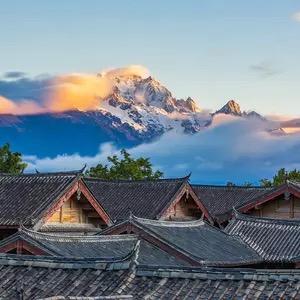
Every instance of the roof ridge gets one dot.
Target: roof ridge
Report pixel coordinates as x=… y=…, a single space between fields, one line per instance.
x=135 y=180
x=100 y=238
x=230 y=187
x=198 y=222
x=70 y=173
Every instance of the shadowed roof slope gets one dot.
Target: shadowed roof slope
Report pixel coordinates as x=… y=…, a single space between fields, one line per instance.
x=144 y=198
x=196 y=240
x=24 y=198
x=220 y=200
x=274 y=240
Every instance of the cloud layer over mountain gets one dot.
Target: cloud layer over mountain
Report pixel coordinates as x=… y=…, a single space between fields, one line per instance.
x=232 y=149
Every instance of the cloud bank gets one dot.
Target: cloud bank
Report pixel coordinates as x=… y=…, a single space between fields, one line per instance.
x=234 y=150
x=22 y=95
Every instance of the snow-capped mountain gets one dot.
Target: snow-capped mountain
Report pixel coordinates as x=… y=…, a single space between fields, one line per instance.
x=147 y=106
x=137 y=110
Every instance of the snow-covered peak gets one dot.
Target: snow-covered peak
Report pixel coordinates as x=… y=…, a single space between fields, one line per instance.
x=230 y=108
x=150 y=108
x=146 y=104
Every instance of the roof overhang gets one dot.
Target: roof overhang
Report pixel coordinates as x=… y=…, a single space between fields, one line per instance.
x=285 y=188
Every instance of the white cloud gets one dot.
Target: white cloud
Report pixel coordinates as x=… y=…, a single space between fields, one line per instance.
x=238 y=151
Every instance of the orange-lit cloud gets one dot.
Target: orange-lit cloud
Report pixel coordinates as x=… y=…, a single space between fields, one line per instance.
x=19 y=108
x=85 y=91
x=77 y=91
x=72 y=91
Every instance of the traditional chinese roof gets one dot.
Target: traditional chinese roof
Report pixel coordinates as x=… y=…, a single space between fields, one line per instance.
x=25 y=198
x=196 y=241
x=144 y=198
x=100 y=247
x=58 y=278
x=289 y=187
x=88 y=246
x=220 y=200
x=275 y=240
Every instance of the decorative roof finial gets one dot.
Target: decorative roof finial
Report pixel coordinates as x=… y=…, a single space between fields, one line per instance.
x=286 y=176
x=130 y=215
x=83 y=168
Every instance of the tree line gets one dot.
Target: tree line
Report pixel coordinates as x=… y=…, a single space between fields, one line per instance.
x=126 y=167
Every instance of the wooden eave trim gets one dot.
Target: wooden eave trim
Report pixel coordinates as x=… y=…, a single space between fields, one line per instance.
x=78 y=184
x=186 y=187
x=294 y=191
x=201 y=205
x=269 y=197
x=93 y=201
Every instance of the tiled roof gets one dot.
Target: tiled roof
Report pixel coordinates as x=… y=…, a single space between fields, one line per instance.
x=151 y=255
x=24 y=198
x=197 y=240
x=220 y=200
x=273 y=239
x=144 y=198
x=41 y=278
x=88 y=246
x=100 y=247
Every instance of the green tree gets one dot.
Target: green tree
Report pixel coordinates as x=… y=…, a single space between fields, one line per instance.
x=125 y=167
x=266 y=182
x=281 y=177
x=11 y=162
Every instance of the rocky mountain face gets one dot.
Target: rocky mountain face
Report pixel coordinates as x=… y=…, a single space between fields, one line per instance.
x=234 y=109
x=147 y=106
x=138 y=110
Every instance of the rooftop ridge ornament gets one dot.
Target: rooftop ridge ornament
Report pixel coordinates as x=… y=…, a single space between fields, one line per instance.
x=83 y=168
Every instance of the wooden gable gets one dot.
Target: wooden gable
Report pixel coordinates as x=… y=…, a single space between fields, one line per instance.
x=76 y=206
x=283 y=203
x=185 y=206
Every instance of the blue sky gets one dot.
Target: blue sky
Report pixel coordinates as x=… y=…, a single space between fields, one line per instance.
x=210 y=50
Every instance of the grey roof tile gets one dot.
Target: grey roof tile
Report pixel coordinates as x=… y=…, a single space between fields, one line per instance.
x=36 y=282
x=220 y=200
x=274 y=240
x=144 y=198
x=199 y=240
